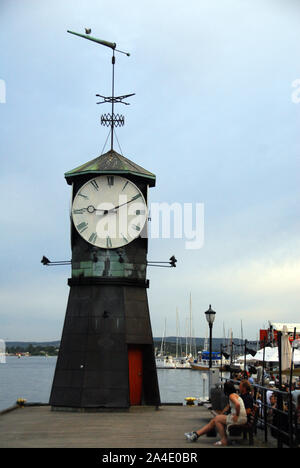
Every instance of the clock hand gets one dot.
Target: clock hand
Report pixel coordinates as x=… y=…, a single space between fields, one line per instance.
x=92 y=209
x=126 y=203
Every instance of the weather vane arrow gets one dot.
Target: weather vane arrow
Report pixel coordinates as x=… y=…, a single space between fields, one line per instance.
x=112 y=45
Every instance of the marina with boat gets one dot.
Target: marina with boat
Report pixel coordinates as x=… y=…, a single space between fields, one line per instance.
x=202 y=202
x=201 y=396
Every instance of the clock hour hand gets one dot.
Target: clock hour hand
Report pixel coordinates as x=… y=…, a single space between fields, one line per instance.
x=89 y=209
x=92 y=209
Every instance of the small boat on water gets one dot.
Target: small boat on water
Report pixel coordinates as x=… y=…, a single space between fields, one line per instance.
x=183 y=363
x=170 y=362
x=165 y=362
x=203 y=363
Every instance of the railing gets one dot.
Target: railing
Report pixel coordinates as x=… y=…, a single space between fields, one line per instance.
x=283 y=424
x=281 y=421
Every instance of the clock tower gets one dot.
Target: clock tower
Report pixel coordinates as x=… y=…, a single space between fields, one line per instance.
x=106 y=357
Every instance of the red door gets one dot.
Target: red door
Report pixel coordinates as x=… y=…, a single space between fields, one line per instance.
x=135 y=361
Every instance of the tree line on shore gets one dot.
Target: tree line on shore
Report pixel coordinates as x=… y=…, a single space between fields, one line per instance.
x=171 y=346
x=32 y=350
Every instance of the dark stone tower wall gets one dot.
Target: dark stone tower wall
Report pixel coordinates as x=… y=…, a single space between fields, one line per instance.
x=92 y=367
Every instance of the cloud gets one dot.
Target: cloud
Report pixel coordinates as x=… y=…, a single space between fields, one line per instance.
x=33 y=308
x=261 y=277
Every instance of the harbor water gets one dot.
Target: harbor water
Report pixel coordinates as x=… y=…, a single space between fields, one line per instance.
x=31 y=378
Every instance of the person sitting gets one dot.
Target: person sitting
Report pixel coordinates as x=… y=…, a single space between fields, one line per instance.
x=238 y=415
x=296 y=393
x=272 y=407
x=245 y=393
x=279 y=418
x=251 y=380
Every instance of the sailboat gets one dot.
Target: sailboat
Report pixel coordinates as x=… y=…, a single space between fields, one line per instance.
x=165 y=362
x=180 y=361
x=184 y=361
x=161 y=360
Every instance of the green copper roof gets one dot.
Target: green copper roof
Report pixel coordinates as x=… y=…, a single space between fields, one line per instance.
x=111 y=163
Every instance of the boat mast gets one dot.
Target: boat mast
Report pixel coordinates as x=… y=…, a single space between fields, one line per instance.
x=242 y=333
x=224 y=336
x=190 y=323
x=162 y=346
x=205 y=346
x=194 y=343
x=177 y=332
x=231 y=347
x=186 y=336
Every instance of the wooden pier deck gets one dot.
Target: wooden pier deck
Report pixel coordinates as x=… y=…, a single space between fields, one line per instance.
x=140 y=427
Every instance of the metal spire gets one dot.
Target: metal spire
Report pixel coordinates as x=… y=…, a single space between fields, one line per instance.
x=109 y=120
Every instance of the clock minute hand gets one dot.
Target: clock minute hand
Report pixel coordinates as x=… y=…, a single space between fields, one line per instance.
x=126 y=203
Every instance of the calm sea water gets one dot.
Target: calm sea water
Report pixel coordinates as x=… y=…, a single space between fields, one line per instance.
x=31 y=378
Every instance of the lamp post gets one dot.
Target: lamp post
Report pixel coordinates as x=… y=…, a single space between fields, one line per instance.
x=210 y=317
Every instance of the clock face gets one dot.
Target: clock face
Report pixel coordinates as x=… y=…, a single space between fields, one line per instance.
x=109 y=211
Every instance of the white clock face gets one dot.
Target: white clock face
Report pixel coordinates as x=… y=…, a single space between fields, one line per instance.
x=109 y=211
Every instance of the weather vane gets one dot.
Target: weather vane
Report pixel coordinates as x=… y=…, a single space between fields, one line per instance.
x=109 y=120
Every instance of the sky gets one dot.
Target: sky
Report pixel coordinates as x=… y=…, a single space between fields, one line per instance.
x=216 y=117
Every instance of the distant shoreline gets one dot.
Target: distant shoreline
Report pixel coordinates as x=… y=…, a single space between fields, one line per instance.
x=172 y=345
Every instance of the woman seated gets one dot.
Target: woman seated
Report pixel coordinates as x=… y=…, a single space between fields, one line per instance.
x=237 y=415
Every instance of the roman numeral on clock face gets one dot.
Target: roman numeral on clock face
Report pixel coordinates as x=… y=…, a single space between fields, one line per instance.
x=79 y=211
x=93 y=238
x=108 y=242
x=110 y=180
x=95 y=185
x=83 y=196
x=82 y=227
x=125 y=185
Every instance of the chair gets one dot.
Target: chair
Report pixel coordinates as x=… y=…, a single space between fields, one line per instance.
x=235 y=430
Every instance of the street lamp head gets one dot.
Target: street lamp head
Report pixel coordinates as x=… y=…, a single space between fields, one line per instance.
x=210 y=315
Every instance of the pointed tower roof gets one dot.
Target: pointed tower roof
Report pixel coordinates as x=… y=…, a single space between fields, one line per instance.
x=111 y=163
